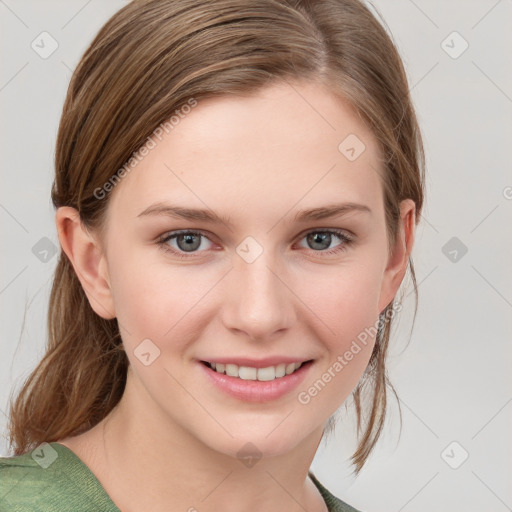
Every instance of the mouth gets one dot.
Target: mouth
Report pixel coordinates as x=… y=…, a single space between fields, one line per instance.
x=268 y=373
x=262 y=382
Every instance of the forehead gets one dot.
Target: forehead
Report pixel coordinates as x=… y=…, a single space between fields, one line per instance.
x=285 y=145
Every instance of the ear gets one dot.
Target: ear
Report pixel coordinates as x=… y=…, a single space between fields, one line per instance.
x=399 y=257
x=86 y=256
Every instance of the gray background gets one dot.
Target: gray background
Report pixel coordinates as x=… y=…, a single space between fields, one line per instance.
x=452 y=377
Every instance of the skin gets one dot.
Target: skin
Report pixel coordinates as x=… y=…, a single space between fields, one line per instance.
x=174 y=438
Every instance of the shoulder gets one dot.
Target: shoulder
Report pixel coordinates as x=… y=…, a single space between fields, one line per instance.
x=49 y=479
x=25 y=480
x=334 y=504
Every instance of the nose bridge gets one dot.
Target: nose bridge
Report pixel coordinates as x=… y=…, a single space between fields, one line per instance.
x=260 y=303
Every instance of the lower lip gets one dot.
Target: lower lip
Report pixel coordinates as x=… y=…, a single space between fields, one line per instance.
x=256 y=390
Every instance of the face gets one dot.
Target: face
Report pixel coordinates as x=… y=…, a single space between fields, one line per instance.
x=262 y=288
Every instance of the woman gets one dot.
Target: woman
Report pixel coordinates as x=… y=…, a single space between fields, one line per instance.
x=237 y=189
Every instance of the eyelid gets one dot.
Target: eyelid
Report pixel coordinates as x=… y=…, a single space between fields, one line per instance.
x=341 y=231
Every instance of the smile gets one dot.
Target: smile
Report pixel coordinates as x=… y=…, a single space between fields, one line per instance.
x=250 y=373
x=261 y=382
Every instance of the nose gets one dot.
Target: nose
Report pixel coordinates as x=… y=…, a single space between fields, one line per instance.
x=259 y=303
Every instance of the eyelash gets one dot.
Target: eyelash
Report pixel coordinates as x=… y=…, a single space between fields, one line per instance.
x=163 y=242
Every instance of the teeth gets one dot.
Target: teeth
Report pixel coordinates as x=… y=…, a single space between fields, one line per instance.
x=280 y=370
x=261 y=374
x=290 y=368
x=232 y=370
x=266 y=373
x=247 y=373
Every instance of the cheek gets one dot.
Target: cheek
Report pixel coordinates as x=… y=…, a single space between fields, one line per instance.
x=346 y=298
x=348 y=305
x=157 y=300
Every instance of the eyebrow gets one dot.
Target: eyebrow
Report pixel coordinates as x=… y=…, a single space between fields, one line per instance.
x=319 y=213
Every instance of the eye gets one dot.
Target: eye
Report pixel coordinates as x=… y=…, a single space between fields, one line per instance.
x=187 y=241
x=320 y=240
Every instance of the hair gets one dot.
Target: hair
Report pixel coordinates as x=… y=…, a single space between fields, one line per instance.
x=150 y=58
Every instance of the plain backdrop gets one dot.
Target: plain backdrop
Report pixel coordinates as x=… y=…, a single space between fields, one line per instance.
x=452 y=373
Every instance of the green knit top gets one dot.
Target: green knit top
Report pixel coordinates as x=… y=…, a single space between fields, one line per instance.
x=52 y=478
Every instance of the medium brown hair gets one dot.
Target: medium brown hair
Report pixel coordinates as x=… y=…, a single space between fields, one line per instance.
x=148 y=60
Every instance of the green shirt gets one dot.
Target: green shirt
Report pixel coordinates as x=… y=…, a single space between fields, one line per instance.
x=52 y=478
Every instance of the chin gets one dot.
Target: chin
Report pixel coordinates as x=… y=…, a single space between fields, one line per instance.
x=249 y=446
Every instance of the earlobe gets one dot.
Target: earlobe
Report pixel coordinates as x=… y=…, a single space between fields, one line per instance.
x=88 y=260
x=399 y=257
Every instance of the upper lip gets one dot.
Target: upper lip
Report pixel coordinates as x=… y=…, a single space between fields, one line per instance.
x=256 y=363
